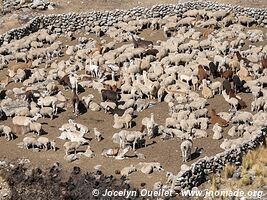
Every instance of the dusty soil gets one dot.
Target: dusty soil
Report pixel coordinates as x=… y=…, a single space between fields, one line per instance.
x=166 y=152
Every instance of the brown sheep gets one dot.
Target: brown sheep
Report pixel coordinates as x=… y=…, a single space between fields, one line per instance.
x=214 y=118
x=202 y=74
x=227 y=74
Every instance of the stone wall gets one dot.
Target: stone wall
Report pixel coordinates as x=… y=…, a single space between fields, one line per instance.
x=10 y=5
x=74 y=21
x=200 y=170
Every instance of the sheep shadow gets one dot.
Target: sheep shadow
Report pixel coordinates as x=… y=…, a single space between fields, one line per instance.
x=197 y=153
x=80 y=89
x=82 y=108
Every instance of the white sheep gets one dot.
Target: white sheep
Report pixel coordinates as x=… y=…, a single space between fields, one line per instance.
x=43 y=142
x=124 y=121
x=108 y=104
x=36 y=127
x=48 y=101
x=199 y=133
x=29 y=141
x=232 y=131
x=47 y=112
x=217 y=132
x=148 y=168
x=7 y=131
x=24 y=121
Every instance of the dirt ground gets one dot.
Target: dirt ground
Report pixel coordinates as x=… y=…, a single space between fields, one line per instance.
x=166 y=152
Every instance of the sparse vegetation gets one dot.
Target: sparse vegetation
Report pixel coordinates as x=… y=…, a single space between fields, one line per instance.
x=253 y=173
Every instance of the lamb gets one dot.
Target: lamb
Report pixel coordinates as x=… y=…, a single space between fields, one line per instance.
x=148 y=168
x=71 y=146
x=73 y=82
x=126 y=171
x=53 y=145
x=186 y=148
x=88 y=153
x=7 y=131
x=206 y=91
x=79 y=127
x=98 y=135
x=47 y=112
x=112 y=152
x=124 y=121
x=217 y=132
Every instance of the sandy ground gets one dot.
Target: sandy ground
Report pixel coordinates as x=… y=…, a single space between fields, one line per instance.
x=166 y=152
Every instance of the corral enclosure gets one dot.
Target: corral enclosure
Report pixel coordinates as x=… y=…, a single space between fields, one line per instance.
x=183 y=40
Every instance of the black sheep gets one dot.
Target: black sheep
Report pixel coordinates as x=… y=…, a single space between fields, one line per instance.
x=213 y=70
x=114 y=111
x=238 y=84
x=109 y=95
x=227 y=86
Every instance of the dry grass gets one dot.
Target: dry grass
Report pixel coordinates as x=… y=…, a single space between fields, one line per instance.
x=253 y=173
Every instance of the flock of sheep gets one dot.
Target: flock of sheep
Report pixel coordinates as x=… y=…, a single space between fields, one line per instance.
x=204 y=54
